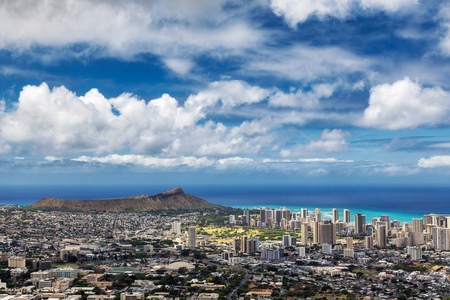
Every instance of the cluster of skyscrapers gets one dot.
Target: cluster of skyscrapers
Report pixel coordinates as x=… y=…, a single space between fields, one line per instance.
x=439 y=226
x=247 y=245
x=316 y=230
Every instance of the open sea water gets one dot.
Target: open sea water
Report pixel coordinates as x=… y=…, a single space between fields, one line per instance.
x=399 y=202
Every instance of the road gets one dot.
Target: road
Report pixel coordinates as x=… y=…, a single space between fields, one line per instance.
x=243 y=281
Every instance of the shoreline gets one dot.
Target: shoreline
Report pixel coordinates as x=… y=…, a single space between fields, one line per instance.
x=327 y=212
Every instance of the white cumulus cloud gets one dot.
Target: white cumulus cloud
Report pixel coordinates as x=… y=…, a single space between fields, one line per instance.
x=230 y=93
x=298 y=11
x=324 y=160
x=229 y=162
x=308 y=160
x=148 y=161
x=434 y=162
x=307 y=63
x=179 y=66
x=329 y=142
x=406 y=104
x=57 y=121
x=445 y=20
x=51 y=158
x=216 y=139
x=155 y=162
x=307 y=100
x=441 y=145
x=295 y=11
x=4 y=148
x=387 y=5
x=396 y=170
x=174 y=30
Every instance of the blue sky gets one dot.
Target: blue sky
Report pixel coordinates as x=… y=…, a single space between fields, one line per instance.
x=199 y=91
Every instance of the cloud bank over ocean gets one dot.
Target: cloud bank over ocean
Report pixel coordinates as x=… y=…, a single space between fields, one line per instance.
x=313 y=89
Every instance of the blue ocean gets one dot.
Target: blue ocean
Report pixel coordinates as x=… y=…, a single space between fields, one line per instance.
x=399 y=202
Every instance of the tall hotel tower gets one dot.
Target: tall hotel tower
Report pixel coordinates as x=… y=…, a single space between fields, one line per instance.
x=191 y=238
x=335 y=215
x=346 y=216
x=360 y=224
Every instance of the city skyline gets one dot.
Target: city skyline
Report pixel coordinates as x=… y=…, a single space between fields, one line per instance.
x=281 y=91
x=134 y=253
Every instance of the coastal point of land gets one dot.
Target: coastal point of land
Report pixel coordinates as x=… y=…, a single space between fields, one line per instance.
x=170 y=200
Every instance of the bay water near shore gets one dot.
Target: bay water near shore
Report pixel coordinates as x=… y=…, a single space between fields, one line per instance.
x=399 y=202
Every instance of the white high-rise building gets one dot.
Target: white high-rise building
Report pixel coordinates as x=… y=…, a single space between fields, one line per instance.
x=283 y=223
x=192 y=238
x=304 y=231
x=386 y=218
x=416 y=253
x=381 y=234
x=176 y=227
x=441 y=238
x=346 y=216
x=349 y=253
x=417 y=225
x=286 y=240
x=318 y=217
x=375 y=221
x=335 y=215
x=349 y=242
x=304 y=213
x=232 y=219
x=326 y=248
x=301 y=251
x=247 y=217
x=270 y=254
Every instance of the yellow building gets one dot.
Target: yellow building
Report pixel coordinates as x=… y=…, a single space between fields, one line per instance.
x=16 y=262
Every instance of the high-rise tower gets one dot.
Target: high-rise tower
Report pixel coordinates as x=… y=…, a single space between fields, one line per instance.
x=417 y=225
x=304 y=230
x=346 y=216
x=191 y=237
x=335 y=215
x=360 y=224
x=327 y=235
x=381 y=234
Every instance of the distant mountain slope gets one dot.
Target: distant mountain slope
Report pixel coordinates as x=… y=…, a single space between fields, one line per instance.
x=173 y=199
